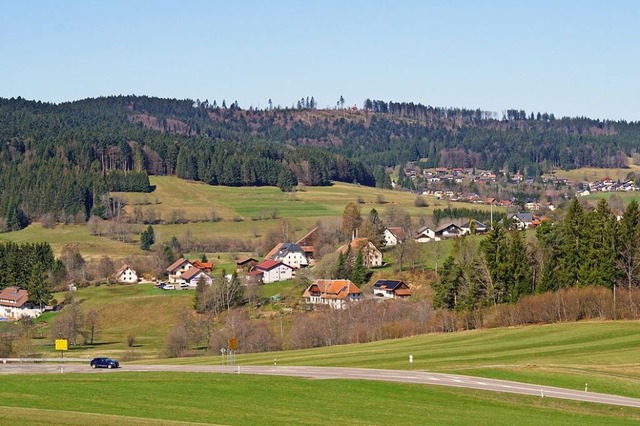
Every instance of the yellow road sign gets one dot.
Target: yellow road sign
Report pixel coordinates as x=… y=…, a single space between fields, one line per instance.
x=62 y=345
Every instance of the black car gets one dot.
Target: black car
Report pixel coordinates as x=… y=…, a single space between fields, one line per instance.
x=104 y=362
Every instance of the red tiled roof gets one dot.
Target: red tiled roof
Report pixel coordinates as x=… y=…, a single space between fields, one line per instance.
x=403 y=292
x=203 y=265
x=332 y=289
x=268 y=265
x=14 y=297
x=255 y=272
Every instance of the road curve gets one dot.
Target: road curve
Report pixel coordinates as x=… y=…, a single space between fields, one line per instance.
x=399 y=376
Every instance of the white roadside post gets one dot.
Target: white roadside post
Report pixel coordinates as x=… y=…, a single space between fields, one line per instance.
x=411 y=362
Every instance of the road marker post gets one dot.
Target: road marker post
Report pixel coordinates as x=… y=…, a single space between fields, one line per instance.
x=411 y=362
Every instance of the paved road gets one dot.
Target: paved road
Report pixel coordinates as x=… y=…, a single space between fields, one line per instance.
x=400 y=376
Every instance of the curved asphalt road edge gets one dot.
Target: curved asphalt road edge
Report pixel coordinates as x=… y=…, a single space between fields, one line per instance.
x=398 y=376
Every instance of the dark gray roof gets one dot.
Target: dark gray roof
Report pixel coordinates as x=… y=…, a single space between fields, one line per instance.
x=288 y=248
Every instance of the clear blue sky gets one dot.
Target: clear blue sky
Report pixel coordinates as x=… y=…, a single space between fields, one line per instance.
x=575 y=58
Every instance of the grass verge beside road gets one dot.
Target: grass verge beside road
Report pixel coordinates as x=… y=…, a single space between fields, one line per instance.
x=135 y=398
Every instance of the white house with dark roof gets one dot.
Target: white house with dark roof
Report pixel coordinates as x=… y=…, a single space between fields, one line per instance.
x=291 y=254
x=449 y=230
x=391 y=289
x=480 y=228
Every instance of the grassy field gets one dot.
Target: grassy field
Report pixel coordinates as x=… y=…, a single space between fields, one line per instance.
x=139 y=310
x=592 y=173
x=602 y=354
x=246 y=213
x=90 y=246
x=165 y=398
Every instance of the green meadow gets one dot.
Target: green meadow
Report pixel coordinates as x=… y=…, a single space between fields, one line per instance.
x=603 y=355
x=245 y=213
x=195 y=398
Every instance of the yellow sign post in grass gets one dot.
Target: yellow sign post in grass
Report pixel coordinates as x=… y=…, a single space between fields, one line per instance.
x=62 y=345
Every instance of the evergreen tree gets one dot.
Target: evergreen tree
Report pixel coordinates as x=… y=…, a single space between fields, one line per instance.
x=572 y=245
x=38 y=286
x=198 y=302
x=495 y=248
x=446 y=288
x=628 y=247
x=147 y=238
x=598 y=264
x=358 y=273
x=518 y=267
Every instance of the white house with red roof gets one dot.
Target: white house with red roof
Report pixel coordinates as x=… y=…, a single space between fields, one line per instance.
x=14 y=304
x=273 y=271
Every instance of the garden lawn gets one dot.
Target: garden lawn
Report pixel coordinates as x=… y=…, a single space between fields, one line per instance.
x=134 y=398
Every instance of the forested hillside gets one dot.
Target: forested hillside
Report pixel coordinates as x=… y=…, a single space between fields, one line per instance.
x=62 y=160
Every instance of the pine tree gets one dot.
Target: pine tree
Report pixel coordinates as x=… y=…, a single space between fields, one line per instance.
x=518 y=267
x=147 y=238
x=628 y=247
x=495 y=248
x=446 y=288
x=598 y=267
x=38 y=285
x=572 y=245
x=358 y=273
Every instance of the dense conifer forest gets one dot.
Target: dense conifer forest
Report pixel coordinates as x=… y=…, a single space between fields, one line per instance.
x=63 y=159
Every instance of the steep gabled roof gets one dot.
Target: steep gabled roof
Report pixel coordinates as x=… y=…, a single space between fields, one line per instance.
x=273 y=251
x=122 y=269
x=14 y=297
x=286 y=248
x=245 y=260
x=309 y=239
x=177 y=264
x=397 y=231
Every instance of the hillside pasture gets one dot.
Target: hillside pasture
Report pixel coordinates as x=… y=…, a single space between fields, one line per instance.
x=139 y=310
x=592 y=174
x=602 y=354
